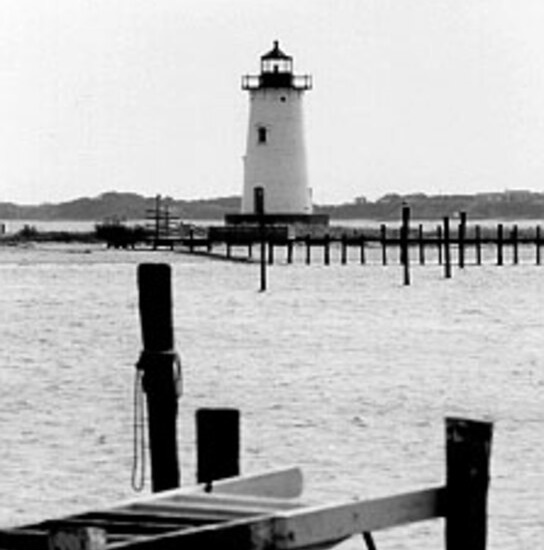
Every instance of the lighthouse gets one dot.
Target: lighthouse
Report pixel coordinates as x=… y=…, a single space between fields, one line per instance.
x=275 y=157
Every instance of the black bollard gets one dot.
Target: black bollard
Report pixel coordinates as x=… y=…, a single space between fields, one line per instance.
x=218 y=444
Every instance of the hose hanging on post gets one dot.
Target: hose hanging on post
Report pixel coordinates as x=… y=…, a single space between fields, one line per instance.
x=138 y=441
x=139 y=422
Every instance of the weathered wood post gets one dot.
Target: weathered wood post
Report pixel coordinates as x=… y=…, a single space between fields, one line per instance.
x=191 y=239
x=515 y=247
x=537 y=243
x=499 y=244
x=439 y=243
x=421 y=243
x=383 y=239
x=362 y=249
x=270 y=252
x=308 y=249
x=229 y=247
x=344 y=249
x=258 y=201
x=327 y=249
x=157 y=219
x=468 y=450
x=290 y=251
x=447 y=256
x=478 y=244
x=160 y=366
x=218 y=444
x=404 y=243
x=250 y=250
x=461 y=238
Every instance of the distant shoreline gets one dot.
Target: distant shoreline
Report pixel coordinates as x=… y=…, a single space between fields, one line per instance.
x=508 y=205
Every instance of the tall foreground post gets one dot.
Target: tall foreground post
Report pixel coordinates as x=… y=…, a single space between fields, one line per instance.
x=160 y=366
x=468 y=450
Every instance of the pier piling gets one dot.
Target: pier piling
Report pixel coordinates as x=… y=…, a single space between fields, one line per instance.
x=327 y=249
x=439 y=243
x=344 y=249
x=258 y=199
x=478 y=244
x=158 y=363
x=421 y=243
x=383 y=239
x=461 y=235
x=515 y=247
x=468 y=449
x=404 y=244
x=362 y=249
x=537 y=243
x=499 y=244
x=447 y=255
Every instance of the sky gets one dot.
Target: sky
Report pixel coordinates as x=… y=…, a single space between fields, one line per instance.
x=432 y=96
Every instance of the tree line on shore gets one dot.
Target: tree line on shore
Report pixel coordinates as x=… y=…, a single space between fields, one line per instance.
x=132 y=206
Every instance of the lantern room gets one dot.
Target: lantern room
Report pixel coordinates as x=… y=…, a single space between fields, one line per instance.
x=276 y=72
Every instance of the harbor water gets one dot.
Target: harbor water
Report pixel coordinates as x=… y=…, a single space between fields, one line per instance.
x=339 y=369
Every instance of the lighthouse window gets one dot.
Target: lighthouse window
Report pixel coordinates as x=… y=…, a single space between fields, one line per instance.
x=261 y=134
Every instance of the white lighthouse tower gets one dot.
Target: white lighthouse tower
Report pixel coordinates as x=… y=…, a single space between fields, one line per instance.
x=275 y=158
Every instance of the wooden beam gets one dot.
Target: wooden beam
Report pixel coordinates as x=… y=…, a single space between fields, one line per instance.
x=304 y=528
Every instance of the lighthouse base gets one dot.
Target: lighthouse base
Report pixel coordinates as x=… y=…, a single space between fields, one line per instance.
x=278 y=219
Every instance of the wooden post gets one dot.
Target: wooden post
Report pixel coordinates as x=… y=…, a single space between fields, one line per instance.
x=404 y=244
x=191 y=239
x=258 y=202
x=447 y=256
x=421 y=245
x=229 y=247
x=218 y=444
x=290 y=251
x=515 y=248
x=326 y=249
x=383 y=238
x=344 y=249
x=478 y=244
x=439 y=243
x=157 y=362
x=499 y=244
x=308 y=249
x=461 y=238
x=250 y=250
x=537 y=243
x=362 y=245
x=270 y=252
x=157 y=221
x=468 y=450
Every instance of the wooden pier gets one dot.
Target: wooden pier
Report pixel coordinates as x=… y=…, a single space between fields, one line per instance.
x=266 y=512
x=445 y=244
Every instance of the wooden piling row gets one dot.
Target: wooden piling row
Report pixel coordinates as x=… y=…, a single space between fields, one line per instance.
x=467 y=245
